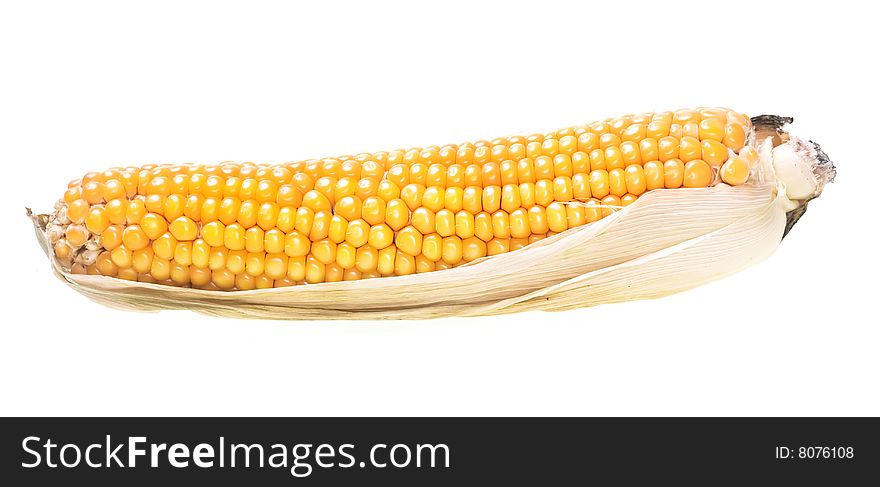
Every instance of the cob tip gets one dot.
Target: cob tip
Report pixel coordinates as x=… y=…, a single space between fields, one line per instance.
x=800 y=166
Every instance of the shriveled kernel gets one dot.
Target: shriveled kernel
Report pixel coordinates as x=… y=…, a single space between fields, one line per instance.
x=76 y=234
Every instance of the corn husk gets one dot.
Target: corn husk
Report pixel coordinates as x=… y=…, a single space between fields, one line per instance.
x=666 y=242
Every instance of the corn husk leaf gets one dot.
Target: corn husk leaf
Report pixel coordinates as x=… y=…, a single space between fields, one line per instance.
x=665 y=242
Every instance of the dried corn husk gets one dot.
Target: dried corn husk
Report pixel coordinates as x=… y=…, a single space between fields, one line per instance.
x=667 y=241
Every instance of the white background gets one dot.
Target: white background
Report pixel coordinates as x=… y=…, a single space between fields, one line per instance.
x=88 y=85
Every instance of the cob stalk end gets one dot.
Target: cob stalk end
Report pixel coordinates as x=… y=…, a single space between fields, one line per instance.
x=801 y=166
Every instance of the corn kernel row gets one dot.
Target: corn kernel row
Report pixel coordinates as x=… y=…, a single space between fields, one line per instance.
x=246 y=226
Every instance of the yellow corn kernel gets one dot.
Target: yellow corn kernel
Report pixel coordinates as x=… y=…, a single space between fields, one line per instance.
x=250 y=226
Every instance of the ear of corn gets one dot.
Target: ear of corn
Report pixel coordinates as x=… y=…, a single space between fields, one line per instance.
x=603 y=212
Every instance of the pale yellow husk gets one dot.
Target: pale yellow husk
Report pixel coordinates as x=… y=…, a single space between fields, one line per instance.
x=665 y=242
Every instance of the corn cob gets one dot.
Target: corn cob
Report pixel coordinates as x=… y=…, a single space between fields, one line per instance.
x=239 y=227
